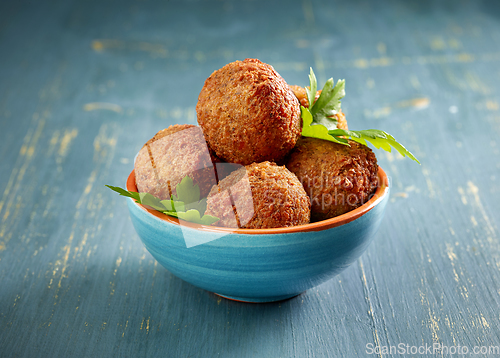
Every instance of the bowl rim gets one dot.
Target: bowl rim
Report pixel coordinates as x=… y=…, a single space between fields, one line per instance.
x=381 y=191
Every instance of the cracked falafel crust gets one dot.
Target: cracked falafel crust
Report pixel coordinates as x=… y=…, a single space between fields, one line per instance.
x=260 y=195
x=248 y=113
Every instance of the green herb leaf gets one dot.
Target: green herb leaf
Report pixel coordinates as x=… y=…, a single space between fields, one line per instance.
x=312 y=89
x=318 y=120
x=328 y=104
x=186 y=205
x=172 y=205
x=316 y=130
x=194 y=217
x=187 y=191
x=378 y=138
x=324 y=109
x=189 y=194
x=123 y=192
x=200 y=205
x=152 y=201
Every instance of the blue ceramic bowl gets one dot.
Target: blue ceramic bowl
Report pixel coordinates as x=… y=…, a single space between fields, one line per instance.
x=259 y=265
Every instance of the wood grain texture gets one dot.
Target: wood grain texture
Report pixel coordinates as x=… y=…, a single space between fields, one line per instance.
x=84 y=84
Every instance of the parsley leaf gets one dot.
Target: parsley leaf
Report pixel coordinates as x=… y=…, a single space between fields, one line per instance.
x=187 y=191
x=152 y=201
x=172 y=205
x=312 y=89
x=189 y=194
x=378 y=138
x=316 y=130
x=318 y=121
x=193 y=216
x=128 y=194
x=186 y=205
x=324 y=109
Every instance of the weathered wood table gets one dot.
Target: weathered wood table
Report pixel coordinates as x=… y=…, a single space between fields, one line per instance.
x=83 y=84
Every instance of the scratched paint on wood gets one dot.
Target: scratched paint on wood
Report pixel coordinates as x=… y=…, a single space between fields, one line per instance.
x=82 y=92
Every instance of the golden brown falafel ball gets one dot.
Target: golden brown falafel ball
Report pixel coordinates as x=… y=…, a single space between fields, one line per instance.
x=248 y=113
x=169 y=156
x=260 y=195
x=338 y=178
x=301 y=94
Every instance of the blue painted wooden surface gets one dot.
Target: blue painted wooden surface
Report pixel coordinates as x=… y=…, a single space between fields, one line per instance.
x=83 y=84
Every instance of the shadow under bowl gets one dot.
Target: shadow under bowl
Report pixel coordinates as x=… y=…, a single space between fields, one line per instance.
x=259 y=265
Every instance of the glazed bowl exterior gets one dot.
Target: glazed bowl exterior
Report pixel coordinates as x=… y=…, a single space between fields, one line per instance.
x=259 y=265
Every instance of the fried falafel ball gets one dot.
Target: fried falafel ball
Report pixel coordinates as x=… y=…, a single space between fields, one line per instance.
x=260 y=195
x=336 y=177
x=169 y=156
x=301 y=94
x=248 y=113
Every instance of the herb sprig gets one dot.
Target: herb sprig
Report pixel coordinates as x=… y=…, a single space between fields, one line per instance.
x=186 y=205
x=319 y=120
x=327 y=105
